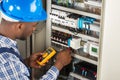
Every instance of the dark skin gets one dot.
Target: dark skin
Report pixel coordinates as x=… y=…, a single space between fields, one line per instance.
x=22 y=30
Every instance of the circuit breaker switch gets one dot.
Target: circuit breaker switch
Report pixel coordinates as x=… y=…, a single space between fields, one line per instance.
x=74 y=43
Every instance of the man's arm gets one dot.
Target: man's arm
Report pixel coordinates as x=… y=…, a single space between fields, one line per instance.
x=62 y=59
x=51 y=74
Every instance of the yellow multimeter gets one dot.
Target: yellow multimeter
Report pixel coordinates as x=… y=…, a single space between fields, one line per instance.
x=48 y=54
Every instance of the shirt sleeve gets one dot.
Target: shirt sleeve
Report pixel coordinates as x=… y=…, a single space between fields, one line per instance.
x=12 y=68
x=51 y=74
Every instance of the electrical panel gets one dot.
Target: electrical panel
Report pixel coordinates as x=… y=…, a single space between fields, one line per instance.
x=76 y=24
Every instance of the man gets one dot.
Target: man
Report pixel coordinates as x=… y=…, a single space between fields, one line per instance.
x=19 y=20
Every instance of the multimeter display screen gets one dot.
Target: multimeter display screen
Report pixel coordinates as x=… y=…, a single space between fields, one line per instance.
x=49 y=51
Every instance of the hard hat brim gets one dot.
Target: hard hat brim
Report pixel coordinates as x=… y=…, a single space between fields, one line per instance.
x=9 y=17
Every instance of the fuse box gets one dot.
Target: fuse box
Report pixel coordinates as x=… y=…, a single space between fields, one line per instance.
x=76 y=24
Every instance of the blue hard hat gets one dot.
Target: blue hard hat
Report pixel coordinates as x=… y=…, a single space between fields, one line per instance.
x=23 y=10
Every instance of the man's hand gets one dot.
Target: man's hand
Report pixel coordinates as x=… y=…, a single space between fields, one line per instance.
x=32 y=60
x=63 y=58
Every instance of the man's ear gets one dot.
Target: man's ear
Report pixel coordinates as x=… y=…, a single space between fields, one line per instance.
x=18 y=26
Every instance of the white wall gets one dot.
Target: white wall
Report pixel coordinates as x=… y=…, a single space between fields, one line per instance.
x=110 y=48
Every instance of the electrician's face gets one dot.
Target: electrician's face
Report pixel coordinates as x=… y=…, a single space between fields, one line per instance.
x=27 y=30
